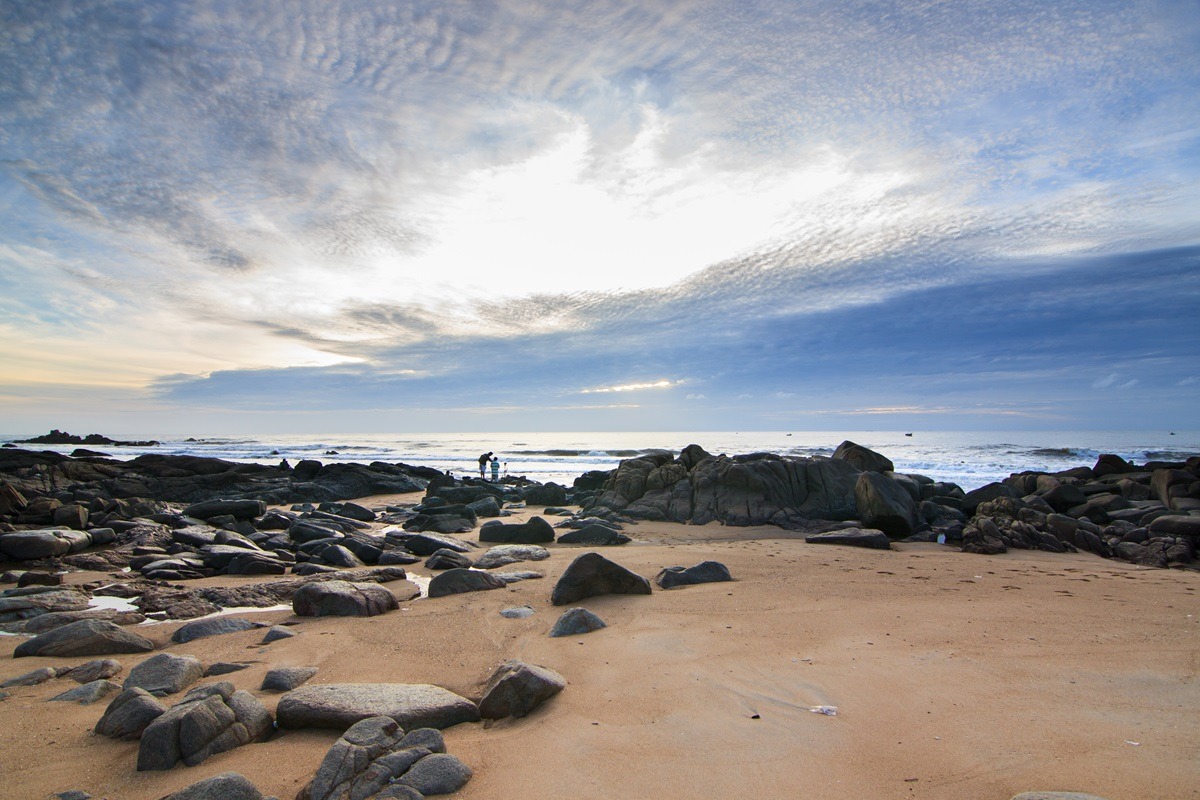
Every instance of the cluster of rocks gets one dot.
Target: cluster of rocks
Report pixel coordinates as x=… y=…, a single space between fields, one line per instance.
x=55 y=436
x=1148 y=514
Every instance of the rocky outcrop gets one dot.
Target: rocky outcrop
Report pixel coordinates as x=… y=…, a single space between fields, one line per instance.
x=226 y=786
x=853 y=537
x=376 y=759
x=209 y=720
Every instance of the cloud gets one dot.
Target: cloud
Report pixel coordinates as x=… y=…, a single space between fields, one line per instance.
x=431 y=195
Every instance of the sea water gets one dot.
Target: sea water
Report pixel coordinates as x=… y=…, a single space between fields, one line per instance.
x=968 y=458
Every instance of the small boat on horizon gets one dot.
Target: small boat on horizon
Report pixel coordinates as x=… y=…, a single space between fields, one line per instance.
x=908 y=434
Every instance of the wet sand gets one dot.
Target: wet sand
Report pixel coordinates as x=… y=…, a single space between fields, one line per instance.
x=954 y=676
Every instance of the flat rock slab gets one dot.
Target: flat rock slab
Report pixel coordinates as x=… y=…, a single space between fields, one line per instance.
x=214 y=626
x=595 y=535
x=340 y=705
x=592 y=574
x=853 y=537
x=87 y=637
x=504 y=554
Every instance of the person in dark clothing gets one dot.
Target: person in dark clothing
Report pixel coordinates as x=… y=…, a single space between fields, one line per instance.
x=483 y=464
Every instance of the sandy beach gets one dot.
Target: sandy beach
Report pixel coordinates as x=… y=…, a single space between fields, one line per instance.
x=953 y=675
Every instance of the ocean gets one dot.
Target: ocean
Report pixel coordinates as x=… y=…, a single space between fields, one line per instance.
x=968 y=458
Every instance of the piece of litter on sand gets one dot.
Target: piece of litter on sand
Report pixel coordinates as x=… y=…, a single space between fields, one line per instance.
x=829 y=711
x=1135 y=744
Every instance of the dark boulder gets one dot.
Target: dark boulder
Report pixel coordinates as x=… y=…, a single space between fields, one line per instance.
x=884 y=504
x=504 y=554
x=239 y=509
x=226 y=786
x=547 y=494
x=86 y=637
x=853 y=537
x=129 y=714
x=704 y=572
x=535 y=531
x=165 y=673
x=448 y=559
x=863 y=458
x=515 y=689
x=213 y=626
x=595 y=535
x=592 y=574
x=575 y=622
x=459 y=581
x=284 y=679
x=343 y=599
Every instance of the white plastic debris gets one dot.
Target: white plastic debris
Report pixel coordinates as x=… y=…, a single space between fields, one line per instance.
x=829 y=711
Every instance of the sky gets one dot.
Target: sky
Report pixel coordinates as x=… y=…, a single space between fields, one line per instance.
x=291 y=216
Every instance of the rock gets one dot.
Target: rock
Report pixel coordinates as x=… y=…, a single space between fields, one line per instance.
x=535 y=531
x=485 y=507
x=576 y=621
x=165 y=673
x=447 y=559
x=276 y=633
x=515 y=689
x=56 y=619
x=95 y=670
x=88 y=693
x=440 y=773
x=31 y=545
x=458 y=581
x=430 y=739
x=339 y=556
x=340 y=705
x=224 y=668
x=129 y=714
x=863 y=458
x=592 y=574
x=40 y=579
x=504 y=554
x=517 y=612
x=209 y=720
x=284 y=679
x=884 y=504
x=226 y=786
x=853 y=537
x=361 y=762
x=426 y=544
x=704 y=572
x=31 y=678
x=213 y=626
x=72 y=515
x=985 y=494
x=595 y=535
x=240 y=509
x=1175 y=525
x=343 y=599
x=84 y=638
x=548 y=494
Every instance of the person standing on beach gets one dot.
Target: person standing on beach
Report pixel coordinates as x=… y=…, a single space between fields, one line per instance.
x=483 y=462
x=495 y=469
